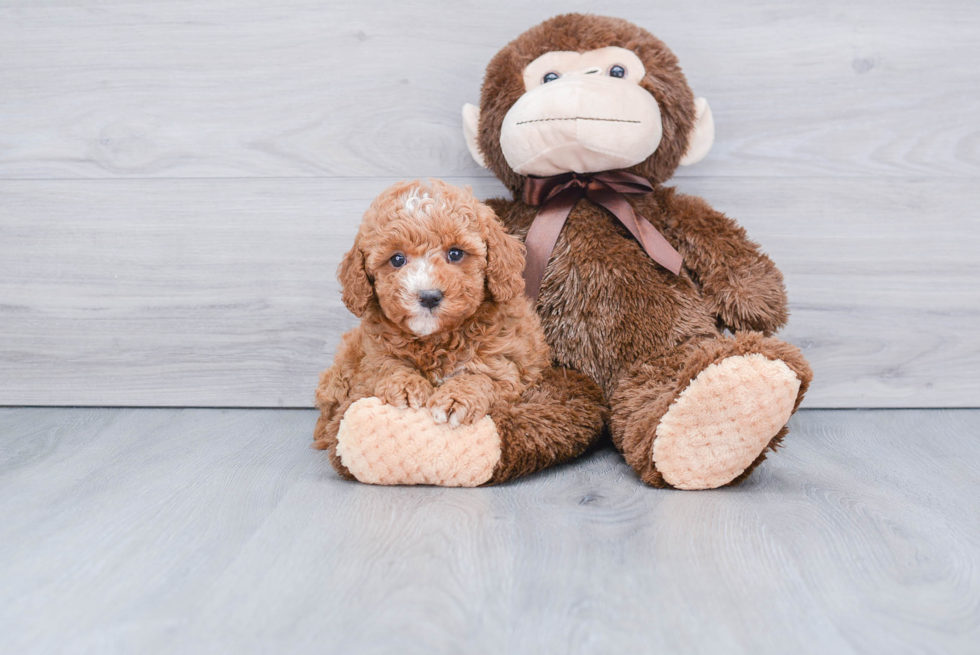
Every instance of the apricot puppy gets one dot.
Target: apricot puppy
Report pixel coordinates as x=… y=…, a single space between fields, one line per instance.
x=444 y=323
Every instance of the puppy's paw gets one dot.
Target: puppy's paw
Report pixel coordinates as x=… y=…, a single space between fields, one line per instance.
x=456 y=409
x=404 y=391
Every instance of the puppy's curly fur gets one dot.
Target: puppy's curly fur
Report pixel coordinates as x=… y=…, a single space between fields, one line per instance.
x=481 y=344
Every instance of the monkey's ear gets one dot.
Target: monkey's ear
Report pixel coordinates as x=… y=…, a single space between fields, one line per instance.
x=355 y=285
x=505 y=258
x=702 y=136
x=471 y=131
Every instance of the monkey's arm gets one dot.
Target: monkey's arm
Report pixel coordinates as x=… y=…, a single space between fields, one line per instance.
x=742 y=285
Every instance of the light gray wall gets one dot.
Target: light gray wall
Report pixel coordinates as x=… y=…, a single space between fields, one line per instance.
x=178 y=180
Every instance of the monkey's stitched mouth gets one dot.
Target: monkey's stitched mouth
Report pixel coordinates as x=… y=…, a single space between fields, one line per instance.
x=578 y=118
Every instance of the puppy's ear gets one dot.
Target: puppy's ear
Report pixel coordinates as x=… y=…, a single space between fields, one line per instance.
x=505 y=258
x=357 y=288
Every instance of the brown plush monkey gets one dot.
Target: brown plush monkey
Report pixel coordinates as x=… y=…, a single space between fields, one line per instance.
x=584 y=118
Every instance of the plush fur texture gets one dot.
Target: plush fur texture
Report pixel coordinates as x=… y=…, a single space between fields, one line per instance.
x=555 y=420
x=480 y=347
x=642 y=333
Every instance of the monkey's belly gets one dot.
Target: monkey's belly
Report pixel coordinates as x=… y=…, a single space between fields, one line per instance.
x=606 y=305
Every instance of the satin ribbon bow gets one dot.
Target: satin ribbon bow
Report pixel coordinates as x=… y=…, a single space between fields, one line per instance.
x=557 y=196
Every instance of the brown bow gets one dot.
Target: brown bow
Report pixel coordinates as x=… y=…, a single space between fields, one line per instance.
x=557 y=196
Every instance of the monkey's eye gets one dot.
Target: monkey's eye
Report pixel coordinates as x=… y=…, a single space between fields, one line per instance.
x=549 y=77
x=617 y=71
x=398 y=260
x=455 y=254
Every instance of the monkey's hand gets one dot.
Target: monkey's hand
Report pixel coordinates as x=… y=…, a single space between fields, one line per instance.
x=748 y=297
x=741 y=285
x=403 y=389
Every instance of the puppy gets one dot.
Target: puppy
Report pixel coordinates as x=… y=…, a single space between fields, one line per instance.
x=445 y=325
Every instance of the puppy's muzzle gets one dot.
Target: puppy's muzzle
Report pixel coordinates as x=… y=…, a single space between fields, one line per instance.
x=430 y=298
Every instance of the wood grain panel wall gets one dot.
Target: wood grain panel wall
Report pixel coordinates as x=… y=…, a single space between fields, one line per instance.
x=178 y=180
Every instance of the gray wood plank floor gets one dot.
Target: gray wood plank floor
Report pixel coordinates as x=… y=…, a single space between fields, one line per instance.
x=161 y=530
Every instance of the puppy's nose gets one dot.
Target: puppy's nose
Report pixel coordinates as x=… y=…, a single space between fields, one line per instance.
x=430 y=298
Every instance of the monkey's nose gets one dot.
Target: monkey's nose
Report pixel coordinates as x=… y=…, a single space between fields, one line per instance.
x=430 y=298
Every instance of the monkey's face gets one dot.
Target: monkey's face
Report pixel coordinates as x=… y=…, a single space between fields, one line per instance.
x=583 y=112
x=583 y=94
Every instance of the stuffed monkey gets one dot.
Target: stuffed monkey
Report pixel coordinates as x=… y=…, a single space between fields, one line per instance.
x=660 y=299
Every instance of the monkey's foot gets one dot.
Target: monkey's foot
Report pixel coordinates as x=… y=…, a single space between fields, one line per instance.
x=382 y=444
x=723 y=421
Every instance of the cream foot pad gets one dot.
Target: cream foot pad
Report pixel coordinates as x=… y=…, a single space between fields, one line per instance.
x=382 y=444
x=723 y=420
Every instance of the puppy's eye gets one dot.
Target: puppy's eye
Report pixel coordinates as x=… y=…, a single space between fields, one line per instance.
x=617 y=71
x=398 y=260
x=549 y=77
x=455 y=254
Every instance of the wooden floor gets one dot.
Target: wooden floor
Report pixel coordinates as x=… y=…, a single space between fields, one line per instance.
x=194 y=530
